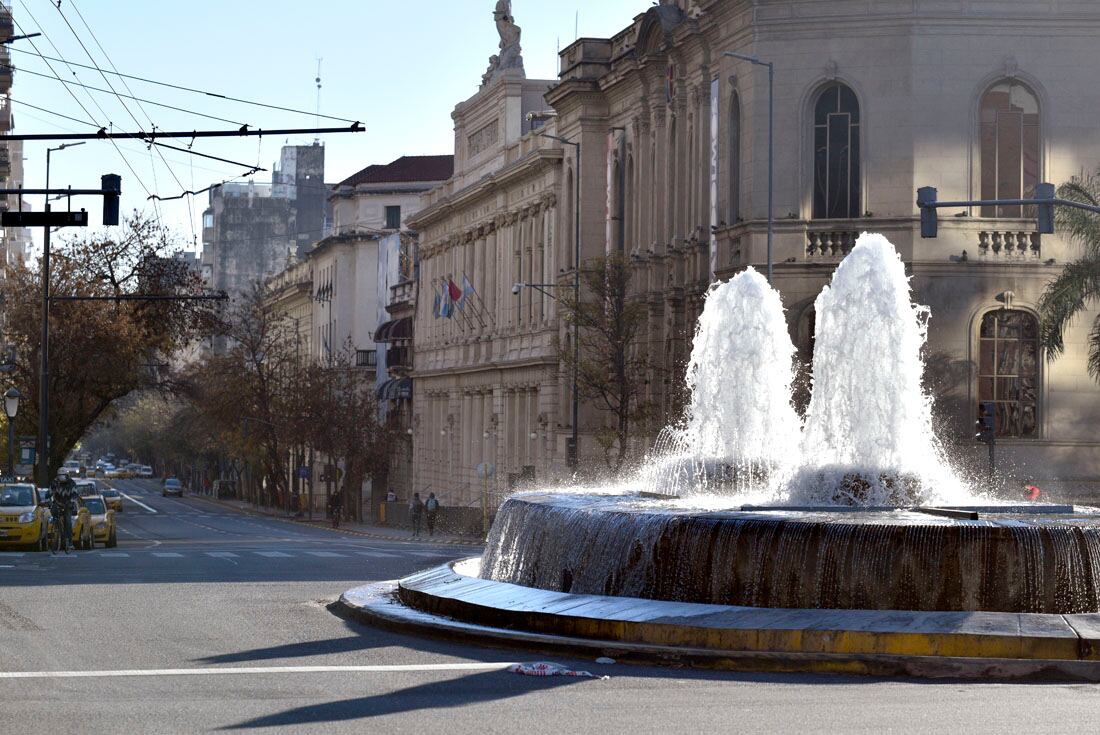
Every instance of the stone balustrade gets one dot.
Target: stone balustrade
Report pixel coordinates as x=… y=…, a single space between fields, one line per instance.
x=1009 y=244
x=829 y=244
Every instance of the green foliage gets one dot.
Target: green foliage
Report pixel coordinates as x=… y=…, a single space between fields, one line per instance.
x=1078 y=285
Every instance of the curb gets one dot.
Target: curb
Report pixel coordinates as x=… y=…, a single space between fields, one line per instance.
x=377 y=605
x=326 y=527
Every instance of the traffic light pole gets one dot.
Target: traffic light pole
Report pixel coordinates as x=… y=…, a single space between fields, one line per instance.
x=1045 y=201
x=42 y=453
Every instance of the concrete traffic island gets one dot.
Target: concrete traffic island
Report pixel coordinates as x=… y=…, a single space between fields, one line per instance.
x=453 y=602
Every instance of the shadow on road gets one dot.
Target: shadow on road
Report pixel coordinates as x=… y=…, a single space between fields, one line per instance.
x=489 y=686
x=293 y=650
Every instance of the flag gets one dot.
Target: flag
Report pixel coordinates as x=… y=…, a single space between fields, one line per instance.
x=467 y=290
x=436 y=303
x=448 y=308
x=453 y=290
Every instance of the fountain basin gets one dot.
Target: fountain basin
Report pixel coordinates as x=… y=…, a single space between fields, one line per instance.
x=1007 y=559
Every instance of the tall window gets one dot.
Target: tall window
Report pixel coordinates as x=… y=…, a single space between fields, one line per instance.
x=1009 y=120
x=734 y=210
x=1008 y=370
x=393 y=218
x=836 y=154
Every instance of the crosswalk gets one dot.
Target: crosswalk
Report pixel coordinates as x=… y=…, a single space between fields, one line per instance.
x=440 y=555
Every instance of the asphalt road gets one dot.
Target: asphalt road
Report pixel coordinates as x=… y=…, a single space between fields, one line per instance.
x=204 y=620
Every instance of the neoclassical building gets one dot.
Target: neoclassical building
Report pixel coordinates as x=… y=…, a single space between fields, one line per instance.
x=872 y=100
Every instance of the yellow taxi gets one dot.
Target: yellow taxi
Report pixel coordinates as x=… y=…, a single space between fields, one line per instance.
x=100 y=520
x=83 y=534
x=23 y=520
x=113 y=498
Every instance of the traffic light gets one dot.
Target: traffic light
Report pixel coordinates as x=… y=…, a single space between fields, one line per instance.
x=1046 y=210
x=987 y=422
x=926 y=196
x=112 y=187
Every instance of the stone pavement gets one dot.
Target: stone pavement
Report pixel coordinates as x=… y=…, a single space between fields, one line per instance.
x=367 y=530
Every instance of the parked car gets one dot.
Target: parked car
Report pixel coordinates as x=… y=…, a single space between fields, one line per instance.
x=171 y=486
x=23 y=519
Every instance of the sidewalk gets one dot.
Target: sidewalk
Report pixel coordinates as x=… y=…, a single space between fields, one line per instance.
x=383 y=533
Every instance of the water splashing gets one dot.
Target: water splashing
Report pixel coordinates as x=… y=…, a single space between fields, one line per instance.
x=740 y=426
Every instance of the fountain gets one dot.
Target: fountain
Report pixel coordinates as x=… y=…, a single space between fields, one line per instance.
x=855 y=510
x=754 y=541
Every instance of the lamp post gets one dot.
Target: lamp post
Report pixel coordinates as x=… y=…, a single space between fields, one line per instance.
x=573 y=458
x=771 y=116
x=42 y=454
x=11 y=408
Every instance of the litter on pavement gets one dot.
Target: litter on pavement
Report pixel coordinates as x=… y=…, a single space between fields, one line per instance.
x=549 y=668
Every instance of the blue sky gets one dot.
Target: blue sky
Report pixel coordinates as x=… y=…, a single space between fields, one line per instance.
x=399 y=67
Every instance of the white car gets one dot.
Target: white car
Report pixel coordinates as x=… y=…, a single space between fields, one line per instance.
x=145 y=471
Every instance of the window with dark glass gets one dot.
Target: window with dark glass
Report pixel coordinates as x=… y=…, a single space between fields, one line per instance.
x=836 y=154
x=366 y=358
x=1009 y=120
x=393 y=218
x=1008 y=370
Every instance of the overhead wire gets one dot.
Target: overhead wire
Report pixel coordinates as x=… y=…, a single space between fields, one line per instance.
x=171 y=171
x=193 y=90
x=82 y=106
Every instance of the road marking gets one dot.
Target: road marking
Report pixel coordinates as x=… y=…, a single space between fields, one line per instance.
x=222 y=554
x=119 y=554
x=274 y=554
x=428 y=554
x=326 y=554
x=377 y=554
x=135 y=501
x=238 y=670
x=168 y=554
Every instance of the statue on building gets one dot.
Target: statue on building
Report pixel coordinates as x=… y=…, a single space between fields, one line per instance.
x=509 y=57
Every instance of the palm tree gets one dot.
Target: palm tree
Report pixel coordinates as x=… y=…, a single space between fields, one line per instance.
x=1078 y=286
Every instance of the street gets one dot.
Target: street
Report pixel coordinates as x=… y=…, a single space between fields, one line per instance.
x=206 y=619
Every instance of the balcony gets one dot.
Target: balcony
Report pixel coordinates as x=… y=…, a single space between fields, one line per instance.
x=403 y=293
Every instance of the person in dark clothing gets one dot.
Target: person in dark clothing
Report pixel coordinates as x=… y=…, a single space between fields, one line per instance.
x=335 y=506
x=431 y=510
x=416 y=512
x=62 y=508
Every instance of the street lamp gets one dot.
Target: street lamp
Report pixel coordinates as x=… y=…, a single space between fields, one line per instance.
x=771 y=111
x=42 y=454
x=11 y=408
x=576 y=285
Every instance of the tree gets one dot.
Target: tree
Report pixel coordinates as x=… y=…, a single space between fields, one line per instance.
x=100 y=351
x=1078 y=285
x=612 y=365
x=341 y=420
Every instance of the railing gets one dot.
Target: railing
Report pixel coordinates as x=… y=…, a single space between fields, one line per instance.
x=402 y=293
x=1009 y=244
x=829 y=244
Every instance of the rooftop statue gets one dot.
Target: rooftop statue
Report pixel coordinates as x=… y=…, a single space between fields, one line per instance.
x=509 y=56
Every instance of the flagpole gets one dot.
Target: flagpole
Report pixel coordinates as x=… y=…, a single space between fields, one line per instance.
x=466 y=280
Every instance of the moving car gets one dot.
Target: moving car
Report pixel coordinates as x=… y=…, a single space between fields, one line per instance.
x=145 y=471
x=101 y=521
x=172 y=486
x=113 y=498
x=86 y=487
x=72 y=468
x=23 y=519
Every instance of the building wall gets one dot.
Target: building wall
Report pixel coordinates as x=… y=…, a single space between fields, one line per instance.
x=487 y=378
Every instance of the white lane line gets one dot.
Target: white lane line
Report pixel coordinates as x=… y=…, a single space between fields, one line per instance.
x=428 y=554
x=326 y=554
x=223 y=670
x=135 y=501
x=222 y=554
x=377 y=554
x=167 y=554
x=274 y=554
x=119 y=554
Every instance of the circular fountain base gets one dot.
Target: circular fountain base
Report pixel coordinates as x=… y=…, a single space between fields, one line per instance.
x=1006 y=559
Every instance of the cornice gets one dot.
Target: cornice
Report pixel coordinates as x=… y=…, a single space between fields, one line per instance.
x=531 y=164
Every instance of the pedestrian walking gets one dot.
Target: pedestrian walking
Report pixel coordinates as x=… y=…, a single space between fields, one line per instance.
x=431 y=510
x=416 y=512
x=335 y=505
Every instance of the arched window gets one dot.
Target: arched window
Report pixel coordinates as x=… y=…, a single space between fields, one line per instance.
x=733 y=211
x=836 y=153
x=1008 y=370
x=1009 y=121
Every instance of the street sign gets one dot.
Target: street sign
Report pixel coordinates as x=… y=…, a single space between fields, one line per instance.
x=44 y=219
x=26 y=450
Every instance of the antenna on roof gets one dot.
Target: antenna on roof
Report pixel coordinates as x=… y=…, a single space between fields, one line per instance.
x=317 y=117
